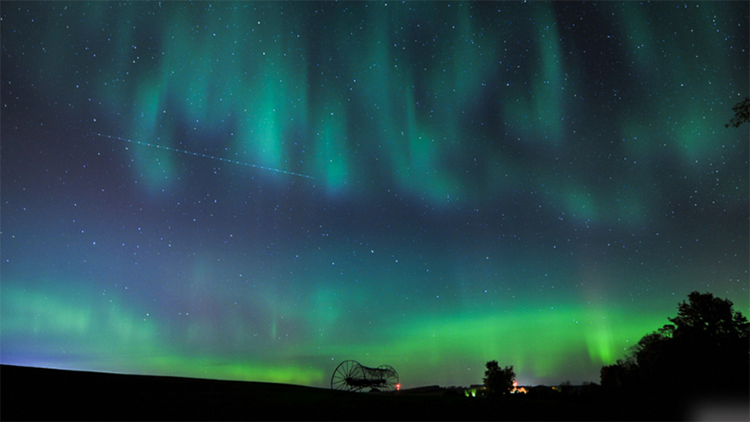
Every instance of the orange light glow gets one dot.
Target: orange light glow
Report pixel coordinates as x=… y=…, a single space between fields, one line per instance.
x=398 y=387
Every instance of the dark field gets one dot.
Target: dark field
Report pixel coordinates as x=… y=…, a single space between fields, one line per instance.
x=47 y=394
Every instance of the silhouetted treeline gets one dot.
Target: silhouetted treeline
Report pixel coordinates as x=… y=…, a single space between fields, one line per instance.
x=704 y=351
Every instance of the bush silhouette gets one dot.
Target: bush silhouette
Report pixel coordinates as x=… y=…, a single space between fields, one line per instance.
x=498 y=381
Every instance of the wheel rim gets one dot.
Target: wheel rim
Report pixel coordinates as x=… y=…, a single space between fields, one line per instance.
x=391 y=377
x=346 y=371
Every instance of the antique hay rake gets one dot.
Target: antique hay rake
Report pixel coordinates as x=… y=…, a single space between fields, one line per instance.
x=351 y=376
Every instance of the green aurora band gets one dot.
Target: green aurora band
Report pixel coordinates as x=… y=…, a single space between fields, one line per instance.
x=539 y=184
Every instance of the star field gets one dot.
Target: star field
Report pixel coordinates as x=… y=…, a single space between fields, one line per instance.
x=534 y=183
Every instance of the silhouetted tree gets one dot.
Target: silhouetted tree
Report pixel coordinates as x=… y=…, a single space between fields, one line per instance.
x=498 y=381
x=741 y=113
x=705 y=347
x=611 y=376
x=708 y=317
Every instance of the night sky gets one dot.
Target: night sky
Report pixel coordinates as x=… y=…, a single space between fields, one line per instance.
x=259 y=191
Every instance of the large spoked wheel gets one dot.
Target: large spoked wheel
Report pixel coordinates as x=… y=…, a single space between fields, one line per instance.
x=346 y=376
x=390 y=376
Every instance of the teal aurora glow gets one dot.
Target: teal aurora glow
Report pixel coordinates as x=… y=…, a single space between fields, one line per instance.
x=534 y=183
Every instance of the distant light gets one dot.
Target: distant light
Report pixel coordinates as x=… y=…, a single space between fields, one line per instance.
x=398 y=387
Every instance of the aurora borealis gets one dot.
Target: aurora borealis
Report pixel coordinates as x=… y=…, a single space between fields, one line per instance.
x=534 y=183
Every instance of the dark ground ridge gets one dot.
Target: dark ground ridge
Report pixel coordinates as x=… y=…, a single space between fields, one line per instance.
x=51 y=394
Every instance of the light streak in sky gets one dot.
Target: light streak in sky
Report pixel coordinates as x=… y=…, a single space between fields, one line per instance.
x=197 y=154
